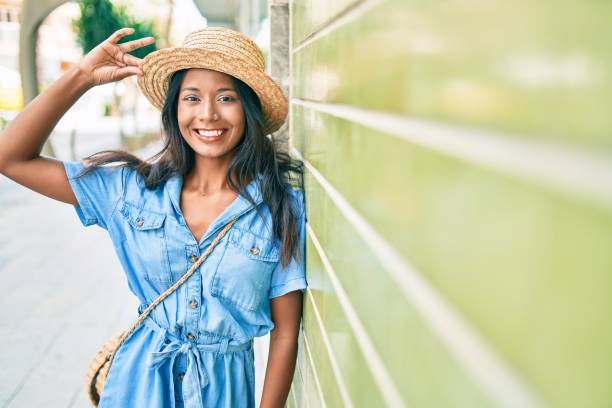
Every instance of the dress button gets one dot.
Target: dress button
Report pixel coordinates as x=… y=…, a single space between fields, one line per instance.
x=255 y=250
x=139 y=222
x=193 y=258
x=190 y=337
x=193 y=304
x=181 y=376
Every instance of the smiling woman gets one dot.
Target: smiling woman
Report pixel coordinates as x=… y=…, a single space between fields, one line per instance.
x=212 y=226
x=210 y=114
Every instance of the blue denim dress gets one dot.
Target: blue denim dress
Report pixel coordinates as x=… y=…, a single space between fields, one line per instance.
x=195 y=350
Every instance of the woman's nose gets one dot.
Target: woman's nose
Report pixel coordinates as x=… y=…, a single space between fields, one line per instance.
x=207 y=111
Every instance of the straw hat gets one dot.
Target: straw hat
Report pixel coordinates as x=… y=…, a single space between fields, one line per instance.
x=219 y=49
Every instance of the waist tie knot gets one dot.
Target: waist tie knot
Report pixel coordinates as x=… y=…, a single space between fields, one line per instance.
x=195 y=375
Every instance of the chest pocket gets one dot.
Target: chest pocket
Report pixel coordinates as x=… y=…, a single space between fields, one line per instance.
x=243 y=274
x=145 y=243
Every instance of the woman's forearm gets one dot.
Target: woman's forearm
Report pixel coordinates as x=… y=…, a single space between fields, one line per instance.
x=25 y=136
x=279 y=372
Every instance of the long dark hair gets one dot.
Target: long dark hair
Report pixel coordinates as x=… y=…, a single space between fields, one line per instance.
x=255 y=154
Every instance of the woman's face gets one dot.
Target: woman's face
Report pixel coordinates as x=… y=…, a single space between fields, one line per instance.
x=209 y=113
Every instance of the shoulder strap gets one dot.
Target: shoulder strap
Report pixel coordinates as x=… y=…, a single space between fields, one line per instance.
x=178 y=283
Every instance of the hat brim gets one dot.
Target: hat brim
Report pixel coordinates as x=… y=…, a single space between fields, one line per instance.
x=159 y=66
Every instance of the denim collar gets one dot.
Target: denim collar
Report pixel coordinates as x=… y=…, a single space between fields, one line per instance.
x=238 y=207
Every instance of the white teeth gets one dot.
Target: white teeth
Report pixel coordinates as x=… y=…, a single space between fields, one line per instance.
x=210 y=133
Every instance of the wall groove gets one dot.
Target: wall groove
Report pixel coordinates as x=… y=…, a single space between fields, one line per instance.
x=351 y=13
x=330 y=352
x=568 y=170
x=314 y=371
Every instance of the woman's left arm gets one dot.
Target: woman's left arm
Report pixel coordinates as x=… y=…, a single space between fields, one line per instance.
x=286 y=314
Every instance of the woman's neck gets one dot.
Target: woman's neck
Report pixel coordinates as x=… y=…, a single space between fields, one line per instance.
x=207 y=175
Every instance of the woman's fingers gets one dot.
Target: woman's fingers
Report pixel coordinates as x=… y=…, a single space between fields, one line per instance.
x=126 y=72
x=128 y=65
x=128 y=59
x=119 y=34
x=132 y=45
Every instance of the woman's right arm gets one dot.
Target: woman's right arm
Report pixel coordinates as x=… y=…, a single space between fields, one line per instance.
x=22 y=141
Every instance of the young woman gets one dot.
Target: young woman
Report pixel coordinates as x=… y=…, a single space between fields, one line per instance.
x=217 y=165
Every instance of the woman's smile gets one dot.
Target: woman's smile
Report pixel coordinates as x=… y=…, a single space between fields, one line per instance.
x=210 y=135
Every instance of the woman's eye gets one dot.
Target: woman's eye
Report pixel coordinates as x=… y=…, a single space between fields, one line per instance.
x=226 y=98
x=190 y=98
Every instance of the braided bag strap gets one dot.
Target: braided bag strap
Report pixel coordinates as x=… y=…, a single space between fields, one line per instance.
x=176 y=285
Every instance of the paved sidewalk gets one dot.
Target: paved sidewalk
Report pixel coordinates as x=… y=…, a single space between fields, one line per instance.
x=63 y=295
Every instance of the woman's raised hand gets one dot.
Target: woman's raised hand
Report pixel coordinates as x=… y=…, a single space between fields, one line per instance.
x=110 y=62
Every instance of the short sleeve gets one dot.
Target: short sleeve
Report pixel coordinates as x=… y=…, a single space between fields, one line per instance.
x=292 y=277
x=97 y=192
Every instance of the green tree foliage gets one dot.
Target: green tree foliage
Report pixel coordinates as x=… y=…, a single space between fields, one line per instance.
x=99 y=19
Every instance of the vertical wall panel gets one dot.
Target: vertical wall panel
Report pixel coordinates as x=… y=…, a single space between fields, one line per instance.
x=456 y=95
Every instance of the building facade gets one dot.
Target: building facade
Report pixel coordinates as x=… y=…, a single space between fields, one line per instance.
x=458 y=177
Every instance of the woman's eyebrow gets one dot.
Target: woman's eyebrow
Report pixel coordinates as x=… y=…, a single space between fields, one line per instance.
x=190 y=88
x=193 y=88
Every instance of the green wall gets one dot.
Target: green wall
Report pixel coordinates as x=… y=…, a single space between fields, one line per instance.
x=459 y=187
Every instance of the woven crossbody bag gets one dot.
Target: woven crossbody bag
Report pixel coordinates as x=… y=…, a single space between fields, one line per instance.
x=101 y=364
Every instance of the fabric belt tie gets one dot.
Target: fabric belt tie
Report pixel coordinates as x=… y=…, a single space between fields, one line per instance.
x=195 y=375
